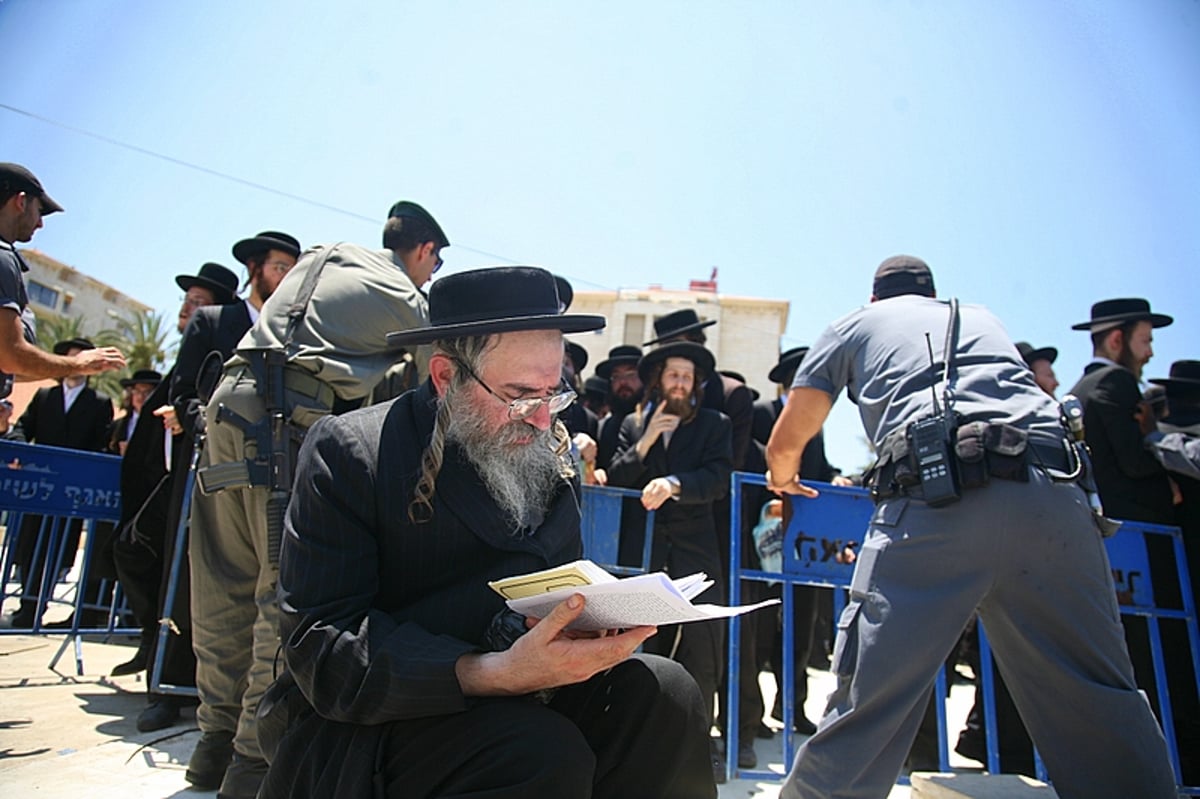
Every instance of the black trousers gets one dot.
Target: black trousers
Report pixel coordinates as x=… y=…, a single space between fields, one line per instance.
x=636 y=730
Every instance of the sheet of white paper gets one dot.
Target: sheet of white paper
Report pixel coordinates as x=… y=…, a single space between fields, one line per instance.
x=632 y=602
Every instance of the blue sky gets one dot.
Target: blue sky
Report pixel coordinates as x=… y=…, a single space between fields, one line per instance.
x=1040 y=156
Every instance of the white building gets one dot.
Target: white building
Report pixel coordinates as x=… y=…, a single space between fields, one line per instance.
x=55 y=288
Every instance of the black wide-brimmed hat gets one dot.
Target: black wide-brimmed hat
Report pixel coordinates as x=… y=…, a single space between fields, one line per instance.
x=1184 y=379
x=496 y=299
x=18 y=177
x=221 y=281
x=789 y=362
x=902 y=274
x=267 y=240
x=696 y=353
x=596 y=387
x=677 y=323
x=578 y=356
x=410 y=210
x=1031 y=354
x=78 y=343
x=623 y=354
x=1114 y=313
x=142 y=376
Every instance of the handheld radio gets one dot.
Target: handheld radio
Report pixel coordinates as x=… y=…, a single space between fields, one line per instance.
x=929 y=445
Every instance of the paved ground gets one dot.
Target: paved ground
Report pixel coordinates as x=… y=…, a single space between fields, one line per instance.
x=64 y=736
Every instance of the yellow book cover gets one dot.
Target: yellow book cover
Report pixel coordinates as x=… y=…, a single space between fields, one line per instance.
x=569 y=575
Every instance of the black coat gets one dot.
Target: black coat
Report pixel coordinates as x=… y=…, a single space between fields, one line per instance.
x=685 y=533
x=212 y=328
x=1132 y=483
x=733 y=398
x=84 y=427
x=375 y=608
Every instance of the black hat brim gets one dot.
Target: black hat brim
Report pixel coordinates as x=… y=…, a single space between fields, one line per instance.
x=566 y=323
x=1042 y=354
x=789 y=364
x=61 y=347
x=126 y=382
x=681 y=331
x=247 y=247
x=1155 y=319
x=604 y=368
x=696 y=353
x=221 y=293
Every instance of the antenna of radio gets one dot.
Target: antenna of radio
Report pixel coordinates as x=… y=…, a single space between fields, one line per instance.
x=932 y=375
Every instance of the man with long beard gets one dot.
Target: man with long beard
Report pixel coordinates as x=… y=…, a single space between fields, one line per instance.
x=405 y=674
x=680 y=455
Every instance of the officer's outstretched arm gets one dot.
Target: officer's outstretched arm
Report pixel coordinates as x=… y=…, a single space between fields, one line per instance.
x=800 y=420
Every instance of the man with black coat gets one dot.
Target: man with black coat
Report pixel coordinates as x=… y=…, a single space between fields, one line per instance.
x=156 y=462
x=678 y=453
x=73 y=415
x=405 y=674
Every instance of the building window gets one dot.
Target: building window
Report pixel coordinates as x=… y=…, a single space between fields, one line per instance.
x=635 y=329
x=43 y=295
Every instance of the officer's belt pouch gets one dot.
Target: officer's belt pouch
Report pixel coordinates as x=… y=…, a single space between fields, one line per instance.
x=986 y=450
x=894 y=468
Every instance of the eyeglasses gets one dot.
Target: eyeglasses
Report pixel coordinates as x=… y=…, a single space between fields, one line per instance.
x=282 y=267
x=525 y=407
x=436 y=266
x=194 y=302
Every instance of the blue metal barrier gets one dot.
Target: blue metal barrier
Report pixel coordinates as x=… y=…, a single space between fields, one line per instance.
x=601 y=527
x=817 y=532
x=62 y=486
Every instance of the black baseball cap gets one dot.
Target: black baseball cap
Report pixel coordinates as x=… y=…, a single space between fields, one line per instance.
x=902 y=274
x=17 y=177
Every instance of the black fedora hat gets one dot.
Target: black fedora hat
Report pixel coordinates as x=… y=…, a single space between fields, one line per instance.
x=267 y=240
x=789 y=362
x=496 y=299
x=19 y=178
x=218 y=279
x=578 y=356
x=1031 y=354
x=596 y=387
x=677 y=323
x=79 y=342
x=406 y=209
x=696 y=353
x=625 y=353
x=1114 y=313
x=1184 y=375
x=142 y=376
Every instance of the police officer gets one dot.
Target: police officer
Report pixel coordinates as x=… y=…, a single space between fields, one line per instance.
x=1020 y=544
x=318 y=347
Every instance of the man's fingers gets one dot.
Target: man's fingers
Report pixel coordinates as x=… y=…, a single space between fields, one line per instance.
x=563 y=614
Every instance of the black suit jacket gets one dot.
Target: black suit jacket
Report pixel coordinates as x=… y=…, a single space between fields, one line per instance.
x=1132 y=483
x=84 y=427
x=733 y=398
x=212 y=328
x=699 y=454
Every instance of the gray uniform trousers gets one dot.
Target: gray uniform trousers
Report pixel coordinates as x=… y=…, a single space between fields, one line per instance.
x=1030 y=558
x=235 y=613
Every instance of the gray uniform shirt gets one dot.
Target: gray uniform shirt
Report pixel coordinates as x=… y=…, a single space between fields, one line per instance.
x=879 y=355
x=361 y=296
x=14 y=296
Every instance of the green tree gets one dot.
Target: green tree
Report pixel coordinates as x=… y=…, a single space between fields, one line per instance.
x=142 y=337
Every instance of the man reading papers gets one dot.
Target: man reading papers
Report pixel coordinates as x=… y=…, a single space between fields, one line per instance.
x=405 y=673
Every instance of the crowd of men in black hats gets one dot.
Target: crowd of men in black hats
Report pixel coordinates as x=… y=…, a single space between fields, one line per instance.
x=254 y=374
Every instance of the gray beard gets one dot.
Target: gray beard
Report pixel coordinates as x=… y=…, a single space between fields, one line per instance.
x=521 y=478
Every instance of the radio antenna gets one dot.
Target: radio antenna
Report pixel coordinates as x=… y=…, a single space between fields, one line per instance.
x=932 y=375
